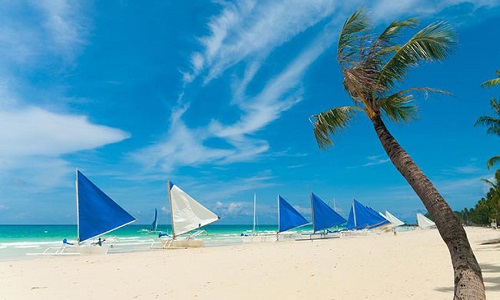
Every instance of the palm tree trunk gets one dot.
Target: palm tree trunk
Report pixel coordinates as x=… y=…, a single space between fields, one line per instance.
x=468 y=278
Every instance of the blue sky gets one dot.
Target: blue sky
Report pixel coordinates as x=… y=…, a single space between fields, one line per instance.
x=216 y=96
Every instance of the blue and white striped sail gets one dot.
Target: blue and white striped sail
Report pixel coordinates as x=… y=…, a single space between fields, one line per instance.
x=288 y=217
x=362 y=217
x=187 y=213
x=97 y=213
x=324 y=216
x=154 y=225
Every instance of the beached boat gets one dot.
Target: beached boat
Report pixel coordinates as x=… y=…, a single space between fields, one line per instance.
x=254 y=236
x=363 y=217
x=154 y=225
x=187 y=215
x=288 y=217
x=323 y=216
x=97 y=214
x=424 y=222
x=395 y=222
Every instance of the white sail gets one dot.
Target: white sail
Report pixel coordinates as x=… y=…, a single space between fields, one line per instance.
x=394 y=221
x=424 y=222
x=187 y=213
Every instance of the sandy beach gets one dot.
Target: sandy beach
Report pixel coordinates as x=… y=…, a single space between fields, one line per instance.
x=411 y=265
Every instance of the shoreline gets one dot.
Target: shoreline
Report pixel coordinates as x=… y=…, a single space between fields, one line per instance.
x=410 y=265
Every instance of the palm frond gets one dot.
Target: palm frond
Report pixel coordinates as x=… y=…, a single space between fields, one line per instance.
x=492 y=161
x=488 y=121
x=494 y=130
x=399 y=107
x=493 y=185
x=384 y=40
x=327 y=123
x=491 y=83
x=434 y=42
x=349 y=37
x=393 y=29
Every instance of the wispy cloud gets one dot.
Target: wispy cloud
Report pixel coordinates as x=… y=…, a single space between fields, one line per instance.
x=374 y=160
x=243 y=31
x=240 y=35
x=41 y=36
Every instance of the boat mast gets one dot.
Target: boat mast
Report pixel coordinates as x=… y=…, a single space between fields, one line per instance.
x=354 y=214
x=254 y=210
x=77 y=210
x=171 y=212
x=278 y=214
x=312 y=212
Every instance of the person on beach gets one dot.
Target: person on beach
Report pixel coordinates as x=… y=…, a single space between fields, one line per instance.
x=65 y=242
x=99 y=242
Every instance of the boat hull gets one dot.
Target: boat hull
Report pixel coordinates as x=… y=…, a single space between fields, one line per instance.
x=73 y=250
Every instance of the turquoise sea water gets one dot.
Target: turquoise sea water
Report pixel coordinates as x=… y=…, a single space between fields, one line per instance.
x=18 y=240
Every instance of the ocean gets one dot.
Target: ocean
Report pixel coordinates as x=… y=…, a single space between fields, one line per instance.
x=17 y=241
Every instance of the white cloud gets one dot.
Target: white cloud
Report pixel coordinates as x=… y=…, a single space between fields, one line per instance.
x=34 y=131
x=34 y=139
x=62 y=21
x=239 y=43
x=243 y=30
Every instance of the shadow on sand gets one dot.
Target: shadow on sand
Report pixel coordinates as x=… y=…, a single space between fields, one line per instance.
x=491 y=278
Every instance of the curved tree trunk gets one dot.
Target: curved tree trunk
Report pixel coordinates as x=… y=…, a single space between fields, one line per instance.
x=468 y=278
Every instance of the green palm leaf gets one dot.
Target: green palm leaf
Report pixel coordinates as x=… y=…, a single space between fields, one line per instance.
x=383 y=44
x=434 y=42
x=399 y=108
x=492 y=123
x=492 y=161
x=348 y=37
x=329 y=122
x=491 y=83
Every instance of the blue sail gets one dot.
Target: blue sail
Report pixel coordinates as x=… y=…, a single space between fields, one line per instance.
x=323 y=215
x=288 y=217
x=362 y=217
x=97 y=213
x=154 y=225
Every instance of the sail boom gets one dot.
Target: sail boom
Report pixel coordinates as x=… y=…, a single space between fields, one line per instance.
x=98 y=235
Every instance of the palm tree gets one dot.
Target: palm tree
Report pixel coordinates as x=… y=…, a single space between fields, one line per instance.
x=493 y=197
x=492 y=122
x=373 y=67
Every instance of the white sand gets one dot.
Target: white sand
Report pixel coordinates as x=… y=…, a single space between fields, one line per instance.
x=411 y=265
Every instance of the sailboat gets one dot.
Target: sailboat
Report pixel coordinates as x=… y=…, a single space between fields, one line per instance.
x=288 y=217
x=424 y=222
x=97 y=214
x=323 y=216
x=363 y=217
x=154 y=225
x=254 y=236
x=187 y=215
x=395 y=222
